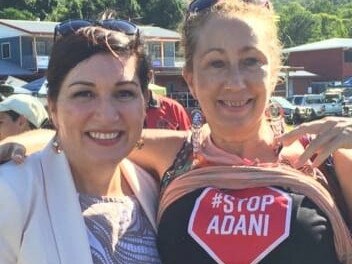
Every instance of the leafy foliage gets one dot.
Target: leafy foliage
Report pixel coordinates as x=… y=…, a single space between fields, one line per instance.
x=300 y=21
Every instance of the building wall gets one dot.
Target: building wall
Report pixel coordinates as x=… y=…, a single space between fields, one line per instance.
x=328 y=64
x=173 y=83
x=297 y=85
x=347 y=68
x=14 y=49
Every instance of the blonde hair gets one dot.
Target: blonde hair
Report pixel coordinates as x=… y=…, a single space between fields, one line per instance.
x=232 y=9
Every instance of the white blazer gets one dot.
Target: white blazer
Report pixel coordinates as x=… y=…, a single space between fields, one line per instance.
x=40 y=215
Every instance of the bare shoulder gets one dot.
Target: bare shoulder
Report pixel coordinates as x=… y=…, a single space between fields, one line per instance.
x=160 y=147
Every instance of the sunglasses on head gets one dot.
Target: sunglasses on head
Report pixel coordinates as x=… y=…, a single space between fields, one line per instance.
x=71 y=26
x=198 y=5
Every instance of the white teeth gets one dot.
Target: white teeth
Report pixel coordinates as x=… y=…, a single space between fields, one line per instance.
x=234 y=103
x=98 y=135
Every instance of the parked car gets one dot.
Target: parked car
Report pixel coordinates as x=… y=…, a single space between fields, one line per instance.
x=287 y=107
x=310 y=106
x=347 y=107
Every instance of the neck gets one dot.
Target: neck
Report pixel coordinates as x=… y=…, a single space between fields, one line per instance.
x=100 y=181
x=258 y=143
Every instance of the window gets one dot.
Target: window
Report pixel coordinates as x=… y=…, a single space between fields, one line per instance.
x=155 y=53
x=40 y=45
x=5 y=50
x=348 y=56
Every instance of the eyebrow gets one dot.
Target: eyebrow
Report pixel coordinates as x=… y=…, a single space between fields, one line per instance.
x=220 y=50
x=87 y=83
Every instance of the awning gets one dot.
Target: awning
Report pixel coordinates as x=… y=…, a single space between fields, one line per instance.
x=35 y=85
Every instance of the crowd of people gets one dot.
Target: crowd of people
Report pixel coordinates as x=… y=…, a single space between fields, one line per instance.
x=104 y=188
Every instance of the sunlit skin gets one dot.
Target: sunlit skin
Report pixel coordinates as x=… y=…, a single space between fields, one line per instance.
x=231 y=80
x=98 y=115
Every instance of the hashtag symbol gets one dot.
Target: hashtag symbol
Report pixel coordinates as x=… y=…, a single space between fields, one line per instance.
x=217 y=200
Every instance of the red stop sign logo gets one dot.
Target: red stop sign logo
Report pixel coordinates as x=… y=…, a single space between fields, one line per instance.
x=240 y=226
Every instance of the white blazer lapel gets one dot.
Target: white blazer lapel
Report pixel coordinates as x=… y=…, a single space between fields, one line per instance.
x=64 y=209
x=144 y=187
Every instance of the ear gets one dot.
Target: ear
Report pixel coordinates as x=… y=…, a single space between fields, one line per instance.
x=22 y=122
x=52 y=110
x=188 y=76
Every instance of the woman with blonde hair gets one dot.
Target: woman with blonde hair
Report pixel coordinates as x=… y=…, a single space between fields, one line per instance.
x=237 y=190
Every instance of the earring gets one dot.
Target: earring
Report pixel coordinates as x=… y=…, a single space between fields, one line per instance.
x=275 y=118
x=139 y=144
x=197 y=122
x=56 y=144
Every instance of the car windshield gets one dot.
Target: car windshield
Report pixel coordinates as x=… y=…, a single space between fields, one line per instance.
x=298 y=100
x=283 y=102
x=314 y=101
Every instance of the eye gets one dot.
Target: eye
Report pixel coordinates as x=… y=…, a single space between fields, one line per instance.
x=251 y=62
x=217 y=64
x=125 y=95
x=83 y=94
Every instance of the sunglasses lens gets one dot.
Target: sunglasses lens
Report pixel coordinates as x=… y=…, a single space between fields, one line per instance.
x=120 y=25
x=70 y=26
x=198 y=5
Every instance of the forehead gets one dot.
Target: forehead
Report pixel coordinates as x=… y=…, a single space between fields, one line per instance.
x=105 y=67
x=232 y=34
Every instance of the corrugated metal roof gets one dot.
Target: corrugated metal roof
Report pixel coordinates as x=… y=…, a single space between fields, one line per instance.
x=33 y=27
x=158 y=32
x=46 y=27
x=333 y=43
x=299 y=73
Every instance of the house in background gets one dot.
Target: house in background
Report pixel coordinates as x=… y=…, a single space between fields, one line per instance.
x=328 y=60
x=25 y=48
x=299 y=82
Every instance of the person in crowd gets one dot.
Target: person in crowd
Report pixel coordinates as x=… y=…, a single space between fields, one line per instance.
x=20 y=113
x=241 y=191
x=80 y=200
x=164 y=112
x=236 y=190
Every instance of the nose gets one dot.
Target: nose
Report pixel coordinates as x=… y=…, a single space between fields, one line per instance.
x=235 y=79
x=107 y=109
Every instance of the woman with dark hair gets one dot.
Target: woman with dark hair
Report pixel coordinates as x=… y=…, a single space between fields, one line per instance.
x=79 y=199
x=236 y=190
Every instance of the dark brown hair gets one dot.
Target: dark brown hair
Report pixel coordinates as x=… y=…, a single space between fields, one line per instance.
x=70 y=50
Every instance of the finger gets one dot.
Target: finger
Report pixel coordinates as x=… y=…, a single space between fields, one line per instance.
x=302 y=130
x=316 y=146
x=330 y=148
x=18 y=153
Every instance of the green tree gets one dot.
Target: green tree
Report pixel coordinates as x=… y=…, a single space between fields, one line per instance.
x=297 y=25
x=167 y=14
x=332 y=27
x=13 y=13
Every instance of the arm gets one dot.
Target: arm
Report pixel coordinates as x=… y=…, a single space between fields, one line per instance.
x=333 y=135
x=27 y=142
x=343 y=166
x=159 y=150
